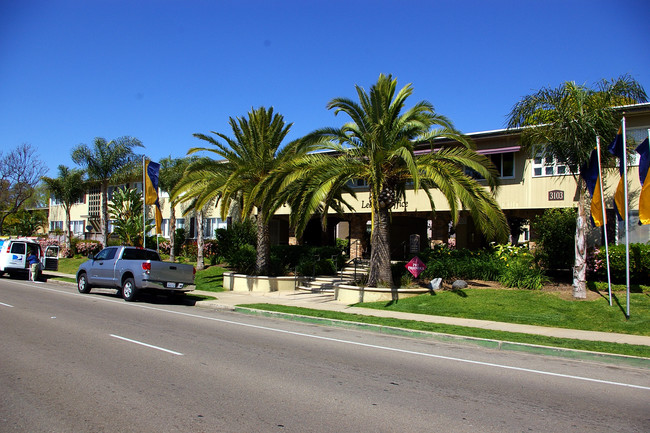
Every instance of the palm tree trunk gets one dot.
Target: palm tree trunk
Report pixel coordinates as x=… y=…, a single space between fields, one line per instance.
x=263 y=245
x=172 y=232
x=68 y=235
x=104 y=213
x=380 y=272
x=200 y=264
x=580 y=265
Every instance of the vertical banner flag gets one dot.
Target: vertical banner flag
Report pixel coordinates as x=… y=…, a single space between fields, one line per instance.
x=591 y=174
x=617 y=148
x=151 y=190
x=644 y=198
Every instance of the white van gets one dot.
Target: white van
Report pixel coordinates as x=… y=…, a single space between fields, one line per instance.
x=14 y=252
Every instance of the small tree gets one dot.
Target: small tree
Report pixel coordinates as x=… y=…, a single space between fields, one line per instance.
x=67 y=188
x=20 y=172
x=555 y=230
x=126 y=210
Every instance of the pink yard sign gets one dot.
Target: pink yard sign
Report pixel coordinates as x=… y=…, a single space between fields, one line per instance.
x=415 y=266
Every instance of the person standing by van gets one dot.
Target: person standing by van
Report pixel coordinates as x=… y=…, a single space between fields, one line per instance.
x=34 y=265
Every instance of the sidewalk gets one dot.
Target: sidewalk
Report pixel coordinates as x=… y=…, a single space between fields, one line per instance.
x=325 y=301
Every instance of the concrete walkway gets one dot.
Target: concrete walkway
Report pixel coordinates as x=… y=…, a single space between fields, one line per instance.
x=325 y=301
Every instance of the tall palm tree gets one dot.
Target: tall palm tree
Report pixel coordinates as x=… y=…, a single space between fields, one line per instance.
x=564 y=122
x=378 y=147
x=106 y=162
x=246 y=160
x=68 y=187
x=171 y=173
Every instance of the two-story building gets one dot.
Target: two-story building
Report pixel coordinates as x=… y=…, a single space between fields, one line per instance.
x=529 y=184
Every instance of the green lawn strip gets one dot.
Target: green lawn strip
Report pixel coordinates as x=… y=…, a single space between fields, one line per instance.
x=531 y=308
x=70 y=266
x=210 y=279
x=566 y=343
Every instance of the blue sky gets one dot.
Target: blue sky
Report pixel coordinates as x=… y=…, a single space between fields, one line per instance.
x=163 y=70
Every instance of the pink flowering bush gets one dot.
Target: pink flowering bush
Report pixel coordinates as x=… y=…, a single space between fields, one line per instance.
x=85 y=248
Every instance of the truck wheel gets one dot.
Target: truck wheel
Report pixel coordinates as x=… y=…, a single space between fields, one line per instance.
x=129 y=291
x=82 y=284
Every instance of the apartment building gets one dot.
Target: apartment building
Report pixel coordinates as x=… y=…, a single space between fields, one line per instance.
x=529 y=184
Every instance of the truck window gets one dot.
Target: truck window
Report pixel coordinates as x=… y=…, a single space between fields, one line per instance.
x=18 y=248
x=106 y=254
x=138 y=254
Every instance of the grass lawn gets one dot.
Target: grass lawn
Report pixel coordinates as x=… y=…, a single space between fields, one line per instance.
x=567 y=343
x=532 y=308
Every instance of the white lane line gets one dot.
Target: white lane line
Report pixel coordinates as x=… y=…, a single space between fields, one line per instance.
x=430 y=355
x=6 y=305
x=146 y=345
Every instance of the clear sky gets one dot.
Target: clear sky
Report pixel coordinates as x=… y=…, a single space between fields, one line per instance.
x=72 y=70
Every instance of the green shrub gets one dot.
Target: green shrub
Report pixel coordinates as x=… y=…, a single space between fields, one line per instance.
x=555 y=233
x=523 y=273
x=230 y=240
x=243 y=260
x=639 y=264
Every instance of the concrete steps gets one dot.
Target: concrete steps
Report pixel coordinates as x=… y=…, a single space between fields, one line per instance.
x=327 y=284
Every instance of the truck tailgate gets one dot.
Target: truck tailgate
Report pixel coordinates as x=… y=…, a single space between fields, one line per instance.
x=172 y=272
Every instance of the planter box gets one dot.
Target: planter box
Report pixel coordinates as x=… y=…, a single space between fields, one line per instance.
x=250 y=283
x=354 y=294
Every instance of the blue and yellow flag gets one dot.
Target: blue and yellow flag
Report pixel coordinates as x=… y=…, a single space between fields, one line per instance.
x=591 y=175
x=617 y=148
x=152 y=170
x=644 y=198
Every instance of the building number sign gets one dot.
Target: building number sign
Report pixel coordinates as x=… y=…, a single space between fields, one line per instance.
x=556 y=195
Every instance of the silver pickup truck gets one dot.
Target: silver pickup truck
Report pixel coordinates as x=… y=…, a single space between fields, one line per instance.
x=131 y=270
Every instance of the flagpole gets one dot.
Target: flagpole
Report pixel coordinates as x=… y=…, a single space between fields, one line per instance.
x=602 y=207
x=144 y=204
x=627 y=222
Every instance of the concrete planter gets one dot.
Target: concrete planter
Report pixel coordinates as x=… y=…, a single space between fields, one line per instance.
x=354 y=294
x=251 y=283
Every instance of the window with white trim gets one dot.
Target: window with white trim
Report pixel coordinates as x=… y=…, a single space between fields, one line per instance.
x=211 y=224
x=547 y=165
x=77 y=227
x=56 y=225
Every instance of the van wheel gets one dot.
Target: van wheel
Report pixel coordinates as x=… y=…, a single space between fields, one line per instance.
x=129 y=291
x=82 y=284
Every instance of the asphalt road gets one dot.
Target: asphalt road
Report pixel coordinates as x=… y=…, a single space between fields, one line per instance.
x=94 y=363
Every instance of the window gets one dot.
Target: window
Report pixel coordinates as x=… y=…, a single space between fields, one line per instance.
x=180 y=223
x=504 y=163
x=106 y=254
x=138 y=254
x=358 y=183
x=164 y=227
x=211 y=224
x=56 y=225
x=18 y=248
x=77 y=227
x=547 y=165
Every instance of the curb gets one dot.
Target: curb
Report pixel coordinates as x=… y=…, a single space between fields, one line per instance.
x=583 y=355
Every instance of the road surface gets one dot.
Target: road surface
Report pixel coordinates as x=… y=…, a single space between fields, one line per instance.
x=94 y=363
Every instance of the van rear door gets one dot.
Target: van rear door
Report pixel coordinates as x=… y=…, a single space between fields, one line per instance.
x=17 y=255
x=51 y=258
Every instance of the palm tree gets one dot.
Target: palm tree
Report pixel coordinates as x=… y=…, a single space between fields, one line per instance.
x=171 y=173
x=564 y=122
x=107 y=162
x=246 y=160
x=378 y=147
x=67 y=188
